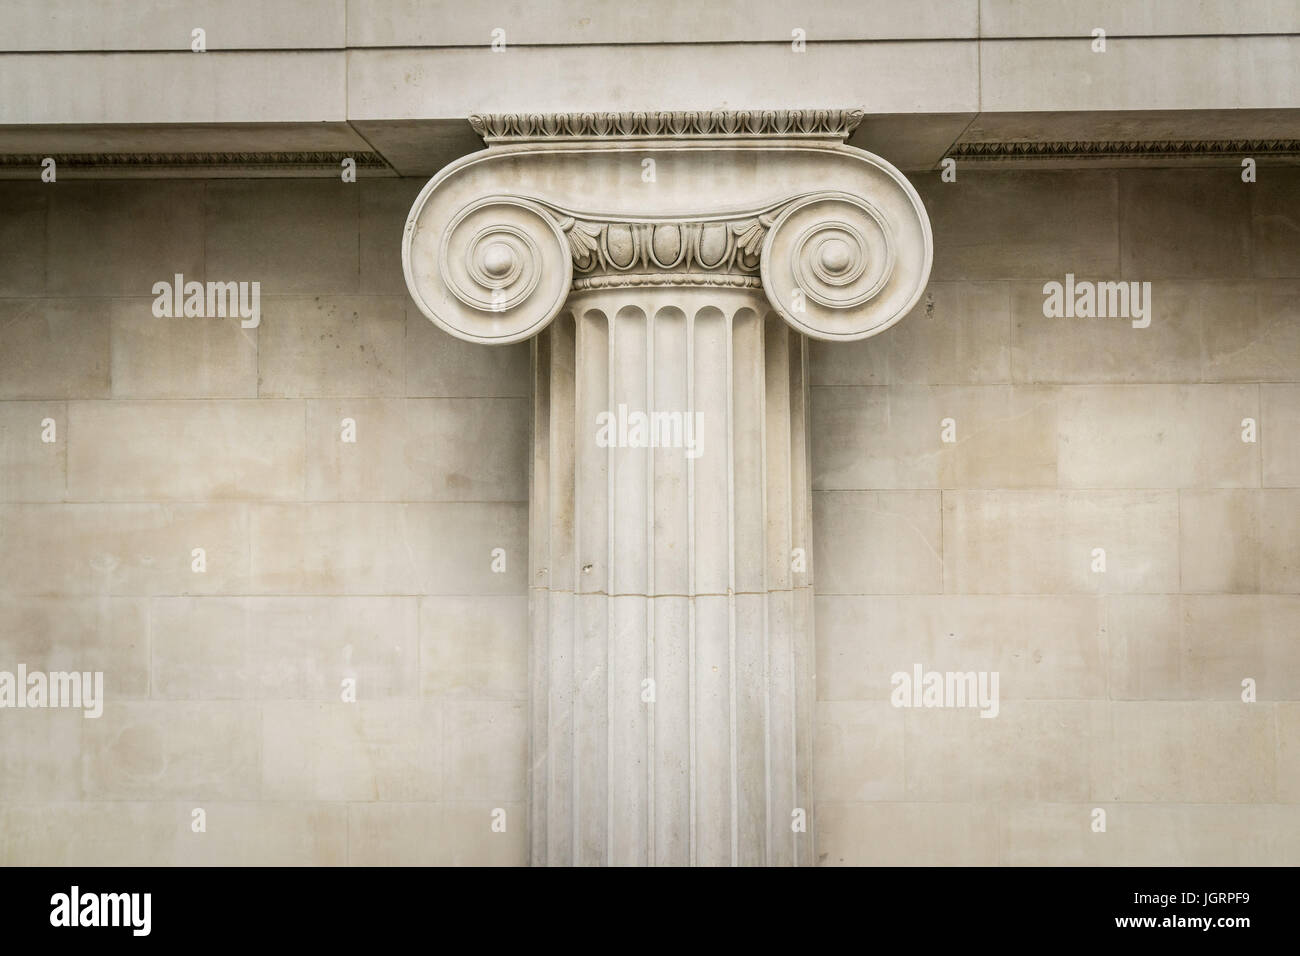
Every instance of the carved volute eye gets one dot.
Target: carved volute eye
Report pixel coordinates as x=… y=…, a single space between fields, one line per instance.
x=839 y=266
x=498 y=272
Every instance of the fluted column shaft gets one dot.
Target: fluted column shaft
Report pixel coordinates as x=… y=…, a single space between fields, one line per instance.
x=672 y=636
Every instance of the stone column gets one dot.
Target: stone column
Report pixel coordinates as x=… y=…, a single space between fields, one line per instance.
x=669 y=269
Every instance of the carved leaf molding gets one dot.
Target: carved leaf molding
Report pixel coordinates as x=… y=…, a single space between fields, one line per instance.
x=728 y=243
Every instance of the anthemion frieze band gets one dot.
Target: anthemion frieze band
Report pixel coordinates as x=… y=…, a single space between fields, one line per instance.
x=669 y=268
x=653 y=124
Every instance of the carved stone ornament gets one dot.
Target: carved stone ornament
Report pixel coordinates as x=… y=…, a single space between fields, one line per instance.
x=497 y=241
x=666 y=124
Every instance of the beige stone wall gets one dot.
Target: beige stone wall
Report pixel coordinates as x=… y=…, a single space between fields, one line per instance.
x=371 y=561
x=1120 y=690
x=325 y=560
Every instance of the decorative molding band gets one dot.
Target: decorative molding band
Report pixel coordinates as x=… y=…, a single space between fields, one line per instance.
x=534 y=127
x=99 y=162
x=1127 y=149
x=661 y=279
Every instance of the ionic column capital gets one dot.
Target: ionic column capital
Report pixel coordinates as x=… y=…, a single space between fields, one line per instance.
x=670 y=267
x=836 y=238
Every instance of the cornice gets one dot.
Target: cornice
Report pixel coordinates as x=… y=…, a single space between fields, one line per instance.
x=1127 y=149
x=191 y=164
x=662 y=124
